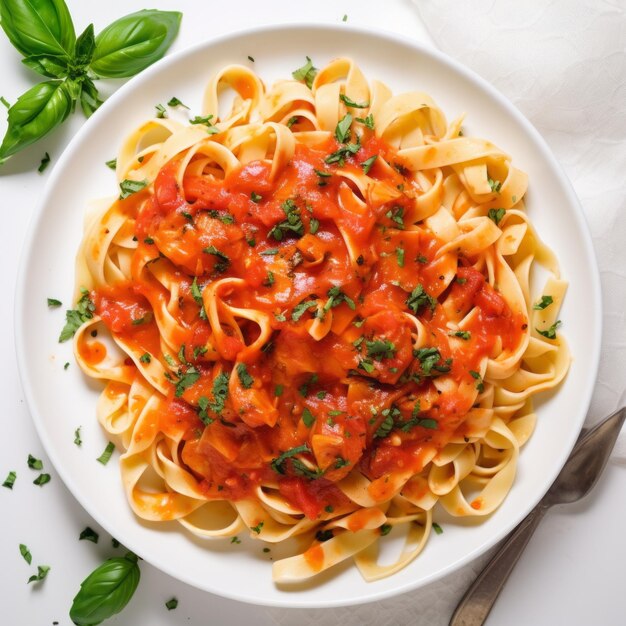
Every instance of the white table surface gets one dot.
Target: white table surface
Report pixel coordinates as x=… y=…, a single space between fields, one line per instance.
x=571 y=573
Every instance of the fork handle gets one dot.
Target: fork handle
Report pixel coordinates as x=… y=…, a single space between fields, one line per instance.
x=478 y=600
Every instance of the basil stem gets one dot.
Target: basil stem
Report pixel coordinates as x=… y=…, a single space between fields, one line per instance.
x=89 y=97
x=134 y=42
x=38 y=27
x=106 y=591
x=36 y=113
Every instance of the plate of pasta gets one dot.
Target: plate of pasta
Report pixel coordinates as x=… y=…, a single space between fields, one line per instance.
x=334 y=304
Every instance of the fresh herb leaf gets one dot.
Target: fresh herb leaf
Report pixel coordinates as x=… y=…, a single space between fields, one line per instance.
x=314 y=225
x=269 y=281
x=223 y=261
x=106 y=455
x=438 y=530
x=551 y=332
x=367 y=121
x=336 y=297
x=255 y=197
x=175 y=102
x=429 y=359
x=299 y=309
x=206 y=121
x=77 y=440
x=342 y=130
x=303 y=389
x=34 y=463
x=400 y=256
x=25 y=552
x=244 y=377
x=269 y=252
x=496 y=215
x=89 y=534
x=42 y=572
x=278 y=390
x=278 y=463
x=171 y=604
x=396 y=215
x=106 y=591
x=367 y=365
x=5 y=102
x=145 y=357
x=379 y=349
x=185 y=380
x=385 y=529
x=306 y=73
x=479 y=380
x=545 y=302
x=307 y=417
x=196 y=293
x=291 y=121
x=351 y=103
x=461 y=334
x=292 y=225
x=53 y=303
x=42 y=479
x=161 y=111
x=367 y=164
x=302 y=470
x=129 y=187
x=9 y=481
x=45 y=161
x=385 y=427
x=220 y=393
x=257 y=529
x=75 y=318
x=340 y=155
x=495 y=185
x=324 y=535
x=112 y=164
x=418 y=298
x=235 y=540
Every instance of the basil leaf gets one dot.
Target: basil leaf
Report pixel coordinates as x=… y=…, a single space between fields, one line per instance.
x=89 y=98
x=134 y=42
x=36 y=112
x=38 y=26
x=106 y=591
x=85 y=47
x=50 y=66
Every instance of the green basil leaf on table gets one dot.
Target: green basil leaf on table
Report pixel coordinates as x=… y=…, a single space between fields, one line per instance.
x=50 y=66
x=106 y=591
x=134 y=42
x=35 y=114
x=37 y=27
x=85 y=47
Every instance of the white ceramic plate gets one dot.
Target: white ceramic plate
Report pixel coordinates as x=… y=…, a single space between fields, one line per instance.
x=60 y=400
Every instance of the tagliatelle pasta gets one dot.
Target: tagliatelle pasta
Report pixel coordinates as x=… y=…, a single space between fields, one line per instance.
x=322 y=318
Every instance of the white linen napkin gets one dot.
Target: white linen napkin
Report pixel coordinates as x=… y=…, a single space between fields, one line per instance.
x=563 y=63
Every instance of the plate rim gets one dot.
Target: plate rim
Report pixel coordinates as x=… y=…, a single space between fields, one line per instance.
x=576 y=211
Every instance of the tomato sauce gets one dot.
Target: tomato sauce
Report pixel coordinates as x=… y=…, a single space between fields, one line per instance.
x=301 y=413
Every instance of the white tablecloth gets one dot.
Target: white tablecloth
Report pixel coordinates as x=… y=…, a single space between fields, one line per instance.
x=563 y=64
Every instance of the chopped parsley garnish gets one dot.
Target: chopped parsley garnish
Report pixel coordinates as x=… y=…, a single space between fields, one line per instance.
x=367 y=164
x=88 y=534
x=148 y=240
x=495 y=185
x=171 y=604
x=396 y=215
x=145 y=357
x=545 y=302
x=422 y=259
x=235 y=540
x=42 y=479
x=280 y=317
x=480 y=386
x=341 y=462
x=336 y=297
x=196 y=293
x=75 y=318
x=211 y=129
x=429 y=359
x=10 y=480
x=416 y=420
x=129 y=187
x=112 y=164
x=385 y=427
x=105 y=457
x=291 y=121
x=42 y=572
x=45 y=161
x=418 y=298
x=292 y=225
x=278 y=463
x=340 y=155
x=342 y=130
x=344 y=18
x=223 y=261
x=461 y=334
x=299 y=309
x=203 y=405
x=5 y=102
x=278 y=390
x=307 y=417
x=141 y=320
x=367 y=121
x=385 y=529
x=329 y=508
x=25 y=552
x=220 y=393
x=367 y=365
x=551 y=332
x=269 y=281
x=77 y=440
x=303 y=389
x=438 y=530
x=379 y=349
x=352 y=104
x=306 y=73
x=323 y=177
x=251 y=59
x=400 y=256
x=255 y=197
x=244 y=377
x=53 y=302
x=161 y=112
x=257 y=529
x=314 y=225
x=34 y=463
x=175 y=102
x=269 y=252
x=496 y=215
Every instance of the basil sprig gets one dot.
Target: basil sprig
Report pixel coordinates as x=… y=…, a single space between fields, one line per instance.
x=43 y=33
x=106 y=591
